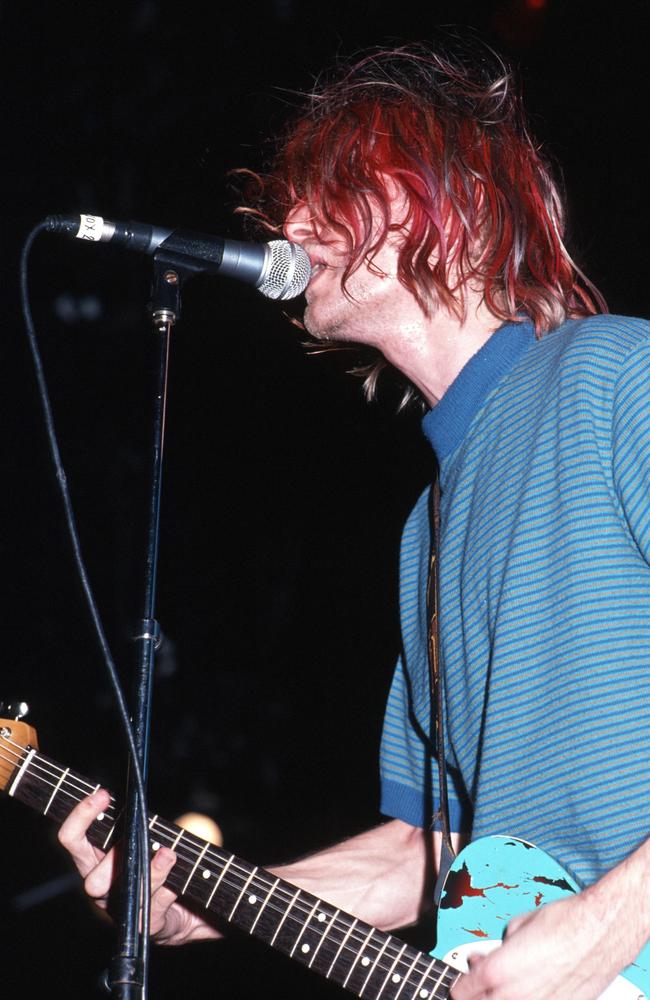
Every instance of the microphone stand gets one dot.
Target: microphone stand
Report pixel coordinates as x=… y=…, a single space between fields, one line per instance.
x=127 y=975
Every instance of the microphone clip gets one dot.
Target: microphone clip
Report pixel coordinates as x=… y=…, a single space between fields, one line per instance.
x=170 y=272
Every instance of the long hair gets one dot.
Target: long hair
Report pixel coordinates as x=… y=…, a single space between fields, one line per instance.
x=445 y=128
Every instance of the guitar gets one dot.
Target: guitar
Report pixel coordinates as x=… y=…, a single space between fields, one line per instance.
x=491 y=880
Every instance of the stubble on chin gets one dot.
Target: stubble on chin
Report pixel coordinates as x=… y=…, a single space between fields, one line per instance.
x=319 y=331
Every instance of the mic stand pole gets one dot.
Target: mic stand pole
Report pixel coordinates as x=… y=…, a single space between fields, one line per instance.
x=127 y=974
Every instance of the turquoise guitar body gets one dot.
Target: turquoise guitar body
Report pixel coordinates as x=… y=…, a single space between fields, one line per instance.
x=491 y=881
x=496 y=878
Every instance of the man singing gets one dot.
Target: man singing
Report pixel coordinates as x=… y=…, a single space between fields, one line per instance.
x=436 y=236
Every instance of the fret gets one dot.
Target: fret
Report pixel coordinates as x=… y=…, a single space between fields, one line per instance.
x=284 y=917
x=373 y=966
x=359 y=956
x=100 y=832
x=363 y=960
x=194 y=867
x=407 y=975
x=44 y=785
x=108 y=838
x=96 y=789
x=243 y=890
x=391 y=975
x=261 y=909
x=217 y=883
x=213 y=859
x=317 y=903
x=23 y=768
x=268 y=911
x=201 y=868
x=341 y=946
x=323 y=937
x=179 y=837
x=56 y=790
x=164 y=834
x=314 y=935
x=420 y=992
x=385 y=966
x=439 y=983
x=185 y=844
x=100 y=816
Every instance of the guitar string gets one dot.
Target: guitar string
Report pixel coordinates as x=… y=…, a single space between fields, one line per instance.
x=426 y=975
x=172 y=833
x=167 y=830
x=77 y=782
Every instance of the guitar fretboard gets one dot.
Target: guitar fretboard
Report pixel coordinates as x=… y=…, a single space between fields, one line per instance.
x=360 y=958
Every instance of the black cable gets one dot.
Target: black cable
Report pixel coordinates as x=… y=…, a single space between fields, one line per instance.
x=92 y=605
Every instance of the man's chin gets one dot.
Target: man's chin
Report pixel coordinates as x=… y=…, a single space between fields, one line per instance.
x=320 y=328
x=315 y=329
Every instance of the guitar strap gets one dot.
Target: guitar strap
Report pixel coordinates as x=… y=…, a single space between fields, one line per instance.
x=447 y=854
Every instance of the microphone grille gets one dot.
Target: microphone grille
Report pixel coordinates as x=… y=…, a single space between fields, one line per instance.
x=287 y=271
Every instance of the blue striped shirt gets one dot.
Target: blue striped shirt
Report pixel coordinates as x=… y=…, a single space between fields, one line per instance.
x=544 y=452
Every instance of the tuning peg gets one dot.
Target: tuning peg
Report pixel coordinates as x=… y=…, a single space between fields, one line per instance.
x=15 y=709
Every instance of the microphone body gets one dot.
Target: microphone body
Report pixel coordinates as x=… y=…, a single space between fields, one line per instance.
x=278 y=269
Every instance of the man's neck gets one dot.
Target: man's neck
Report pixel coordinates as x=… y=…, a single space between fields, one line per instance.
x=431 y=351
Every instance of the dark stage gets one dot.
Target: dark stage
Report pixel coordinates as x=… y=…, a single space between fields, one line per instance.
x=284 y=491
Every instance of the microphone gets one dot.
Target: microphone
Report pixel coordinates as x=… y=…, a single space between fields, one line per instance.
x=278 y=269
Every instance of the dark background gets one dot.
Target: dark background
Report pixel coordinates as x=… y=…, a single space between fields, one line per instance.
x=284 y=491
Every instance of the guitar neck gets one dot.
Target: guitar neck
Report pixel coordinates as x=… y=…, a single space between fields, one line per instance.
x=360 y=958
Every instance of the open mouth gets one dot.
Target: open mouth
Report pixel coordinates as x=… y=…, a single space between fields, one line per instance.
x=317 y=268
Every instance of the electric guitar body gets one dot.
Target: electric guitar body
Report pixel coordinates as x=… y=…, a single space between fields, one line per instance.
x=491 y=881
x=496 y=878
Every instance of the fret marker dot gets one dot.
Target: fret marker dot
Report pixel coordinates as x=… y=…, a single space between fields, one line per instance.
x=206 y=873
x=396 y=978
x=321 y=917
x=100 y=817
x=155 y=846
x=424 y=994
x=365 y=960
x=304 y=948
x=252 y=899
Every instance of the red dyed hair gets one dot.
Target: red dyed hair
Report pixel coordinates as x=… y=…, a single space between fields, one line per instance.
x=447 y=128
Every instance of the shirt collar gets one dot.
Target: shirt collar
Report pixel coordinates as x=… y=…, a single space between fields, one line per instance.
x=446 y=423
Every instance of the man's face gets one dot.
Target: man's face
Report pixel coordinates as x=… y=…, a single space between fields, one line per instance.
x=377 y=306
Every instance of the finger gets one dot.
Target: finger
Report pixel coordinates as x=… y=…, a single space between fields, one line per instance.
x=161 y=898
x=99 y=881
x=75 y=827
x=516 y=923
x=100 y=878
x=163 y=861
x=73 y=832
x=470 y=985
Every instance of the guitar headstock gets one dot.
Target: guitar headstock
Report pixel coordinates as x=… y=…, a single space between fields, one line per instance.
x=16 y=737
